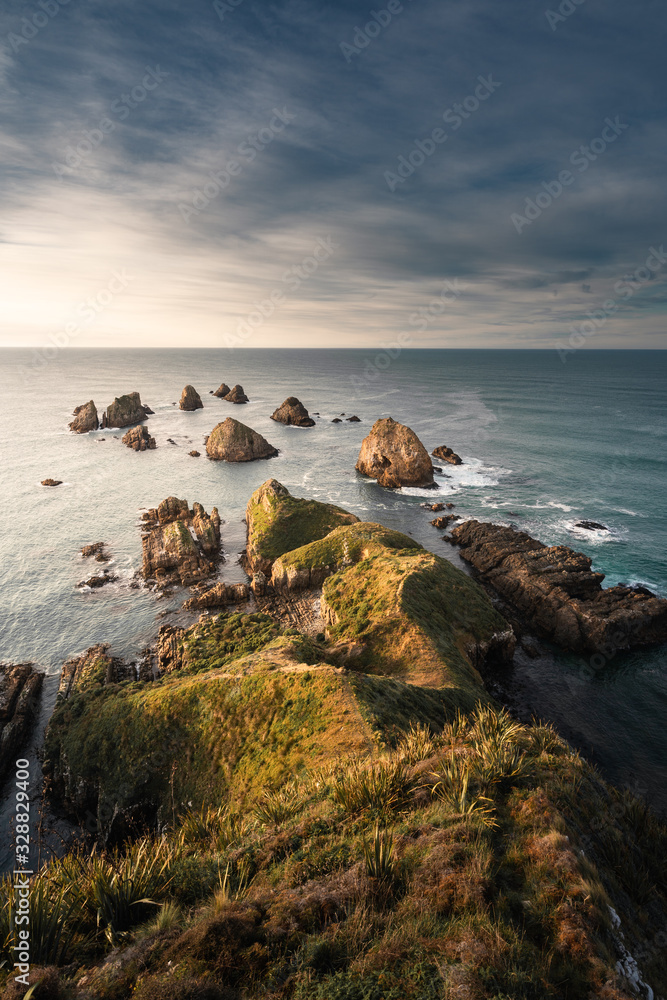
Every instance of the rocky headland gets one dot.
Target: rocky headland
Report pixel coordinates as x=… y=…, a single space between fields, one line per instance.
x=232 y=441
x=180 y=545
x=557 y=592
x=394 y=456
x=293 y=413
x=339 y=814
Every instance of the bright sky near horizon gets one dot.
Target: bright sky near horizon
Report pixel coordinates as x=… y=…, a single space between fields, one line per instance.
x=454 y=173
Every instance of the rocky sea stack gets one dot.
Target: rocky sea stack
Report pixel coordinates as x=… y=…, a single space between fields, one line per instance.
x=237 y=395
x=85 y=418
x=232 y=441
x=293 y=413
x=222 y=391
x=394 y=456
x=447 y=455
x=180 y=545
x=554 y=588
x=139 y=439
x=125 y=411
x=190 y=399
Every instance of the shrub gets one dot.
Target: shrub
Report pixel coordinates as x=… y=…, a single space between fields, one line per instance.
x=416 y=745
x=457 y=785
x=379 y=856
x=385 y=786
x=275 y=808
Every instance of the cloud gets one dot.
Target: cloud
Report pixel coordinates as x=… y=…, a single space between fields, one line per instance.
x=64 y=232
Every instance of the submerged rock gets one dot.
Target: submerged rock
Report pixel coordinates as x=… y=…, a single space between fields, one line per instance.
x=52 y=482
x=98 y=550
x=591 y=526
x=354 y=420
x=139 y=439
x=442 y=522
x=95 y=582
x=278 y=522
x=180 y=545
x=237 y=395
x=85 y=418
x=558 y=593
x=293 y=413
x=394 y=456
x=20 y=689
x=336 y=420
x=190 y=399
x=125 y=411
x=223 y=391
x=232 y=441
x=194 y=454
x=447 y=455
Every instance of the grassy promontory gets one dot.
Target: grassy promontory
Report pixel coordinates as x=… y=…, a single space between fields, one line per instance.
x=277 y=825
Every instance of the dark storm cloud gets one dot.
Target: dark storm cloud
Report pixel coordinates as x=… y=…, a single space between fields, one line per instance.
x=519 y=92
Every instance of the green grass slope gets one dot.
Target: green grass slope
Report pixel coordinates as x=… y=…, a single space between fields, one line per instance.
x=278 y=522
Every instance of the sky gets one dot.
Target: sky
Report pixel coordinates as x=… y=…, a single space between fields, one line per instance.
x=427 y=173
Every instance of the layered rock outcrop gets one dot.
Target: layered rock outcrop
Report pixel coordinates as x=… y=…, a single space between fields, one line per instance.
x=125 y=411
x=555 y=589
x=139 y=439
x=180 y=545
x=85 y=418
x=20 y=689
x=232 y=441
x=190 y=399
x=394 y=456
x=293 y=413
x=447 y=455
x=220 y=595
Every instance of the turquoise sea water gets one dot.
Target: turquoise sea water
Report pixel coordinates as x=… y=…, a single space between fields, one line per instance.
x=544 y=444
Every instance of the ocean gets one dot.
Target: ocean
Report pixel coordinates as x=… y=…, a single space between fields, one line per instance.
x=544 y=444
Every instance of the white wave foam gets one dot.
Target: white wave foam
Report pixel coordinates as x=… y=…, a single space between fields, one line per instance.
x=596 y=536
x=453 y=478
x=551 y=504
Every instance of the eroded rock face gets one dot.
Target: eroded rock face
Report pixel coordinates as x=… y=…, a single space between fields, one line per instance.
x=139 y=439
x=232 y=441
x=394 y=456
x=237 y=395
x=218 y=596
x=180 y=545
x=190 y=399
x=20 y=689
x=558 y=593
x=85 y=418
x=293 y=413
x=442 y=522
x=91 y=669
x=223 y=391
x=278 y=522
x=125 y=411
x=447 y=455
